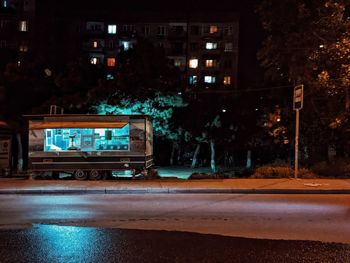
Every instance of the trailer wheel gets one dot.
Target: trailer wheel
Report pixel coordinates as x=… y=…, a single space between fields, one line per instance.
x=80 y=175
x=95 y=175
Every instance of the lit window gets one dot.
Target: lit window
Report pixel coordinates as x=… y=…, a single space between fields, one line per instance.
x=213 y=29
x=193 y=63
x=227 y=80
x=209 y=79
x=177 y=63
x=209 y=63
x=95 y=44
x=192 y=80
x=228 y=47
x=110 y=77
x=110 y=62
x=126 y=45
x=211 y=45
x=94 y=61
x=23 y=48
x=23 y=26
x=112 y=29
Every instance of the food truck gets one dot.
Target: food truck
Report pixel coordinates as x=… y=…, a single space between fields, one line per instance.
x=89 y=146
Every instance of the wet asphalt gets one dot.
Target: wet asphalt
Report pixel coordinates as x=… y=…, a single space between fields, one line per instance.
x=53 y=243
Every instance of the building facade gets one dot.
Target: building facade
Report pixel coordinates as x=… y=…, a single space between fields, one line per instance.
x=205 y=50
x=17 y=20
x=203 y=46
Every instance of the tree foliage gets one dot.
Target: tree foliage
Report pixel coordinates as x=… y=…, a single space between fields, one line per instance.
x=308 y=42
x=160 y=108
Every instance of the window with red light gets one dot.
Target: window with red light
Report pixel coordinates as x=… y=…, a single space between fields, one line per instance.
x=111 y=62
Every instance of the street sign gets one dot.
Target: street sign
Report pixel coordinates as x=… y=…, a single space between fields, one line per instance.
x=298 y=97
x=297 y=106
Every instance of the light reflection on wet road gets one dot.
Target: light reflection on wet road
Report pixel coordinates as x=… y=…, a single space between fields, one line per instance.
x=297 y=217
x=64 y=244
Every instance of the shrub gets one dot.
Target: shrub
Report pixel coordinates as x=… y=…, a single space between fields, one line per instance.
x=207 y=176
x=339 y=168
x=273 y=171
x=268 y=171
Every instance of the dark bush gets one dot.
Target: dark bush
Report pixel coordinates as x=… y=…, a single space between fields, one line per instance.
x=337 y=168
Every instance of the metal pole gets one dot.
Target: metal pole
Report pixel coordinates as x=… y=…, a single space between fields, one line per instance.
x=296 y=155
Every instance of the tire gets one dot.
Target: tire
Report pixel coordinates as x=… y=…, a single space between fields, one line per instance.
x=95 y=175
x=80 y=175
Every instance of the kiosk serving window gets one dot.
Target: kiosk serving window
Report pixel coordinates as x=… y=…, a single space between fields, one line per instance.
x=87 y=139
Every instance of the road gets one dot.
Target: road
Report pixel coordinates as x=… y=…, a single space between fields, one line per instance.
x=289 y=217
x=65 y=244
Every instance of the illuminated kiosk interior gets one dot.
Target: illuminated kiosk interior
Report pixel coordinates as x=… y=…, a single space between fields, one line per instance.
x=89 y=145
x=85 y=139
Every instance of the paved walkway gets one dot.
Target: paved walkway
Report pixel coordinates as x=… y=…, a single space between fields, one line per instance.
x=173 y=182
x=257 y=186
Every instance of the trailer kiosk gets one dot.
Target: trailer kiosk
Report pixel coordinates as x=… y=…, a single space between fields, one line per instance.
x=89 y=146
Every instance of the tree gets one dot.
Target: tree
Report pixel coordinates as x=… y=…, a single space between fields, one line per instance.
x=309 y=43
x=160 y=108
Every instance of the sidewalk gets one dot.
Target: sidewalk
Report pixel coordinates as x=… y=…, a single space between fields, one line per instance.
x=166 y=186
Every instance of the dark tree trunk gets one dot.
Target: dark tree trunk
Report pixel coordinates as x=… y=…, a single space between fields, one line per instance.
x=212 y=156
x=195 y=155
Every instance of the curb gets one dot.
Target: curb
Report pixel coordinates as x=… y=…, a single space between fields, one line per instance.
x=169 y=191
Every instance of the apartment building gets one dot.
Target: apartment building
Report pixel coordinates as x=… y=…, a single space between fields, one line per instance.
x=16 y=30
x=203 y=46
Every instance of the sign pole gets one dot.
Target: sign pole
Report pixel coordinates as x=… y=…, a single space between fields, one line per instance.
x=296 y=154
x=297 y=106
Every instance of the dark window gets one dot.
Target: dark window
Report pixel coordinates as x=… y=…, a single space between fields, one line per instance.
x=128 y=28
x=111 y=44
x=177 y=48
x=3 y=44
x=179 y=29
x=146 y=30
x=228 y=63
x=195 y=30
x=193 y=46
x=228 y=30
x=161 y=31
x=3 y=23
